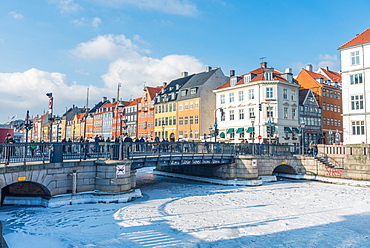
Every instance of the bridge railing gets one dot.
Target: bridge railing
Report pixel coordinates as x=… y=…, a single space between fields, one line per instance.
x=58 y=152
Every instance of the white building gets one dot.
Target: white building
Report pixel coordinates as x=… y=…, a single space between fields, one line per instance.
x=355 y=62
x=268 y=95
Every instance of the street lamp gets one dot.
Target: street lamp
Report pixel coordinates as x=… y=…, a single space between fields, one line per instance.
x=253 y=118
x=162 y=130
x=50 y=114
x=120 y=108
x=302 y=135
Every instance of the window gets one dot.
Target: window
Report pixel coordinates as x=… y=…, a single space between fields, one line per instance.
x=183 y=93
x=251 y=94
x=324 y=121
x=269 y=112
x=181 y=121
x=251 y=112
x=231 y=113
x=191 y=120
x=186 y=120
x=186 y=106
x=339 y=123
x=196 y=119
x=331 y=94
x=335 y=108
x=193 y=91
x=356 y=79
x=293 y=95
x=355 y=58
x=174 y=107
x=294 y=113
x=247 y=78
x=231 y=97
x=335 y=123
x=324 y=106
x=285 y=113
x=269 y=92
x=174 y=120
x=233 y=81
x=166 y=108
x=180 y=106
x=223 y=116
x=268 y=76
x=191 y=105
x=331 y=107
x=196 y=134
x=241 y=114
x=358 y=127
x=335 y=95
x=285 y=94
x=338 y=95
x=170 y=108
x=222 y=99
x=338 y=108
x=241 y=96
x=196 y=104
x=170 y=121
x=357 y=102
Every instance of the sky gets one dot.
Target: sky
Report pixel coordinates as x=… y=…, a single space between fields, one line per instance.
x=68 y=46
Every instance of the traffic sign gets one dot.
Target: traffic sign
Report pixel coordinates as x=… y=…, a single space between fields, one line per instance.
x=259 y=137
x=269 y=122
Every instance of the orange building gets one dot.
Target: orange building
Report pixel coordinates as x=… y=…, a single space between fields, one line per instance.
x=326 y=86
x=145 y=112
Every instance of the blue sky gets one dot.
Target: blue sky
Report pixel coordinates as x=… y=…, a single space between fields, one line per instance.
x=65 y=46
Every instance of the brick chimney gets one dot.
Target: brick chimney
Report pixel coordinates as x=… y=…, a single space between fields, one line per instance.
x=263 y=64
x=232 y=73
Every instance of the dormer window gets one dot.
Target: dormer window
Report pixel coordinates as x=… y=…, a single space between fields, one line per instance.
x=193 y=91
x=177 y=86
x=233 y=81
x=268 y=75
x=247 y=78
x=183 y=93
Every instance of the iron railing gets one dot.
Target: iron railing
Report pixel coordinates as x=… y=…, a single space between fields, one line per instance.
x=58 y=152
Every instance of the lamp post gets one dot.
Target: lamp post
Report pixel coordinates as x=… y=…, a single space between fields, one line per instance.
x=253 y=118
x=215 y=125
x=302 y=135
x=210 y=133
x=162 y=130
x=120 y=108
x=50 y=114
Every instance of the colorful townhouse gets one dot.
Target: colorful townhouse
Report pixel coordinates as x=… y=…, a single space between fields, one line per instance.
x=131 y=118
x=328 y=93
x=165 y=105
x=145 y=112
x=259 y=106
x=355 y=67
x=196 y=104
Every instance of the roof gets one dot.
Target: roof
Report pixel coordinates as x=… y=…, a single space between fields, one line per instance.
x=302 y=95
x=199 y=78
x=154 y=90
x=334 y=76
x=134 y=102
x=315 y=75
x=364 y=37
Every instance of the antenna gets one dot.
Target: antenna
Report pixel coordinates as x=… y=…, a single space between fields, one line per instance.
x=118 y=86
x=262 y=58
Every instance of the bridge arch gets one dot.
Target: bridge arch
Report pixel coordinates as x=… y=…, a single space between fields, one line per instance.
x=285 y=169
x=25 y=188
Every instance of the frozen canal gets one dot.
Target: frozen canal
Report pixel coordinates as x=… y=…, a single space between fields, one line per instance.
x=178 y=213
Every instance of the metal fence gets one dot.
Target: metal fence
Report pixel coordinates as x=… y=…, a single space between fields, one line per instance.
x=58 y=152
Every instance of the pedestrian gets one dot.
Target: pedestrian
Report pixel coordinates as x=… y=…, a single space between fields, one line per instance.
x=32 y=148
x=96 y=143
x=9 y=148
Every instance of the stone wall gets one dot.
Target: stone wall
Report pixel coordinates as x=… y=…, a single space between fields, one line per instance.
x=58 y=177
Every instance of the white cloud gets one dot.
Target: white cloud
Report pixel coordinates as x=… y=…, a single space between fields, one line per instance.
x=94 y=22
x=176 y=7
x=67 y=6
x=16 y=15
x=108 y=47
x=329 y=60
x=23 y=91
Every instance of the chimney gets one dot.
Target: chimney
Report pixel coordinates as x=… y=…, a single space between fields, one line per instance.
x=232 y=73
x=113 y=99
x=208 y=69
x=288 y=70
x=309 y=67
x=184 y=74
x=104 y=99
x=164 y=83
x=327 y=68
x=263 y=64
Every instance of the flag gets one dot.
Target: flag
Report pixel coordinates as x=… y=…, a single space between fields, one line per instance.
x=12 y=117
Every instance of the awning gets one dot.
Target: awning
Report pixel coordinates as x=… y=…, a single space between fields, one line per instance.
x=250 y=129
x=240 y=130
x=230 y=130
x=296 y=130
x=222 y=135
x=287 y=130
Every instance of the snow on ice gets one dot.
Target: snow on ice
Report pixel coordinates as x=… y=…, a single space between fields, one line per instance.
x=179 y=213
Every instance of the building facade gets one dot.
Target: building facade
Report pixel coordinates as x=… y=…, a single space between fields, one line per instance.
x=259 y=106
x=355 y=67
x=328 y=94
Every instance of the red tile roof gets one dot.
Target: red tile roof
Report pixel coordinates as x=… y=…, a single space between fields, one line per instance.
x=334 y=76
x=315 y=75
x=225 y=85
x=364 y=37
x=134 y=102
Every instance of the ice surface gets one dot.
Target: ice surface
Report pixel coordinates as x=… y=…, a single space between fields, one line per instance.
x=178 y=213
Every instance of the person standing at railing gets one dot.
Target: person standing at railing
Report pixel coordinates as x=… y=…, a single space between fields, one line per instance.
x=32 y=147
x=8 y=150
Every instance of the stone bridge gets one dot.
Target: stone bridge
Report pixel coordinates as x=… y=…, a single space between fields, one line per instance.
x=48 y=180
